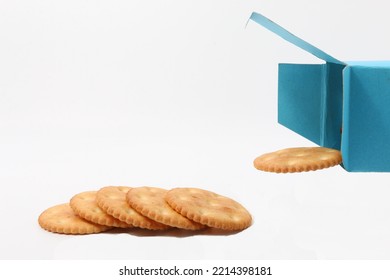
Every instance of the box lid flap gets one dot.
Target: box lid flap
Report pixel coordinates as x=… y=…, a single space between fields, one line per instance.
x=278 y=30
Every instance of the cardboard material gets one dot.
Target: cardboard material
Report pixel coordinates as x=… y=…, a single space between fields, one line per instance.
x=340 y=105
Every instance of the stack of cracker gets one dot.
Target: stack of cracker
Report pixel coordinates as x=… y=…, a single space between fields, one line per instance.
x=145 y=207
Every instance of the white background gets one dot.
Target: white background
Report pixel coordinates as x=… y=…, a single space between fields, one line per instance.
x=176 y=94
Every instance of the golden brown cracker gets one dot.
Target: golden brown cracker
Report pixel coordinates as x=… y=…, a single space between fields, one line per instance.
x=209 y=208
x=84 y=205
x=150 y=202
x=62 y=219
x=298 y=159
x=112 y=200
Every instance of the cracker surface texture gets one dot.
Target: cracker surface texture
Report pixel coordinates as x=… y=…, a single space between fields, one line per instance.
x=150 y=202
x=112 y=200
x=62 y=219
x=299 y=159
x=209 y=208
x=84 y=205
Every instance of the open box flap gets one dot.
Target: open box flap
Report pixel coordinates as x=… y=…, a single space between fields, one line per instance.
x=310 y=100
x=278 y=30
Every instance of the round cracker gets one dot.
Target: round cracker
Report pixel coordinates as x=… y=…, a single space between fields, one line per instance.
x=62 y=219
x=84 y=205
x=208 y=208
x=298 y=159
x=112 y=200
x=150 y=202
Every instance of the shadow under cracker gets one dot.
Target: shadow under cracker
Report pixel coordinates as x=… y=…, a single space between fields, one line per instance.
x=173 y=232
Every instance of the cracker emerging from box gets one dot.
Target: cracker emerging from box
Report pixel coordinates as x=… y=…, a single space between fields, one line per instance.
x=62 y=219
x=84 y=205
x=208 y=208
x=112 y=200
x=298 y=160
x=150 y=202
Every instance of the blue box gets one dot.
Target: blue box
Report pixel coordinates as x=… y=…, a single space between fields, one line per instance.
x=340 y=105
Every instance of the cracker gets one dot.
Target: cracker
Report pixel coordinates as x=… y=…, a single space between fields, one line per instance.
x=62 y=219
x=84 y=205
x=150 y=202
x=298 y=159
x=113 y=201
x=209 y=208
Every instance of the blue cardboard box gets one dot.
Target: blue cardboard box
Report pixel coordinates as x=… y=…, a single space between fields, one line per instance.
x=340 y=105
